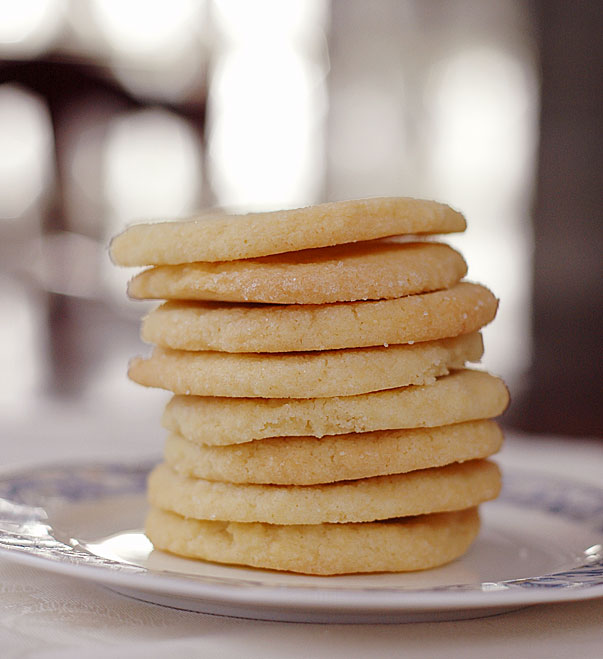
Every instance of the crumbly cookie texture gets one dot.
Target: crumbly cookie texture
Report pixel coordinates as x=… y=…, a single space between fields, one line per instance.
x=462 y=309
x=362 y=271
x=220 y=237
x=465 y=395
x=304 y=375
x=440 y=489
x=310 y=460
x=400 y=545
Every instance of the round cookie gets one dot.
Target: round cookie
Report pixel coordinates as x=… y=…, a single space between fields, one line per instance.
x=401 y=545
x=309 y=460
x=362 y=271
x=304 y=375
x=220 y=237
x=441 y=489
x=465 y=395
x=462 y=309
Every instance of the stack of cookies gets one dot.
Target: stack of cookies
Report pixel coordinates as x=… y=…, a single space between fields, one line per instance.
x=323 y=420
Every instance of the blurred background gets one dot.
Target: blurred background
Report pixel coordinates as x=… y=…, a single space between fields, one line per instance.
x=113 y=111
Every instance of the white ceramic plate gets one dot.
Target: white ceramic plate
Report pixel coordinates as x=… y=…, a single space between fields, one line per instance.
x=542 y=541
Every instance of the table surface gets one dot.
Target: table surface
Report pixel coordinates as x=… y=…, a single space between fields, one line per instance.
x=47 y=615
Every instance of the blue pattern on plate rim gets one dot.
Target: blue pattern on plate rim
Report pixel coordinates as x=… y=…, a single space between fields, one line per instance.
x=23 y=524
x=75 y=483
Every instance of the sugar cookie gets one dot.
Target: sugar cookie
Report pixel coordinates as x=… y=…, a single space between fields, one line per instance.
x=400 y=545
x=361 y=271
x=465 y=395
x=461 y=309
x=220 y=237
x=304 y=374
x=309 y=460
x=452 y=487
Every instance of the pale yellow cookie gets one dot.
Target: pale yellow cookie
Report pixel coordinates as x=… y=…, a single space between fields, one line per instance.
x=465 y=395
x=275 y=328
x=453 y=487
x=304 y=374
x=363 y=271
x=400 y=545
x=309 y=460
x=220 y=237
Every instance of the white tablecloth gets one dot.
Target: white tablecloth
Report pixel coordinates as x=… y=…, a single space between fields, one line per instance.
x=46 y=615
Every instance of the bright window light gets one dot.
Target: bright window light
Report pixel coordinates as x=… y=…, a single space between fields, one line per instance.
x=265 y=140
x=25 y=150
x=150 y=28
x=267 y=103
x=152 y=166
x=27 y=27
x=481 y=102
x=242 y=21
